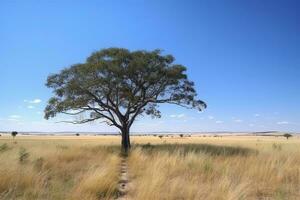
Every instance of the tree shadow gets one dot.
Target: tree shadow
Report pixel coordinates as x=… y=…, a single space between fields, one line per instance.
x=213 y=150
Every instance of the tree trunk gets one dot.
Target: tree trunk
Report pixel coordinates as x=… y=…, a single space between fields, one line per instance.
x=125 y=140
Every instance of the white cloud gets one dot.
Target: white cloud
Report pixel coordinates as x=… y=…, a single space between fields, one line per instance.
x=283 y=123
x=30 y=107
x=256 y=115
x=12 y=119
x=34 y=101
x=211 y=117
x=14 y=116
x=238 y=120
x=219 y=122
x=178 y=116
x=39 y=112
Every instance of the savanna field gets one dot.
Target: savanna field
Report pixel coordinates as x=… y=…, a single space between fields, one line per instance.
x=197 y=167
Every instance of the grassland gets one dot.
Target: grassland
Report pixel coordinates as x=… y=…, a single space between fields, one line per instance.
x=88 y=167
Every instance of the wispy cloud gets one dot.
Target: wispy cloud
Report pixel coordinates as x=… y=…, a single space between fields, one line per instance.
x=283 y=122
x=256 y=115
x=14 y=116
x=34 y=101
x=30 y=107
x=177 y=115
x=211 y=117
x=219 y=122
x=238 y=121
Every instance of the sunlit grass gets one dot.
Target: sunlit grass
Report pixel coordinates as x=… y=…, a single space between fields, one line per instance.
x=215 y=172
x=47 y=170
x=88 y=167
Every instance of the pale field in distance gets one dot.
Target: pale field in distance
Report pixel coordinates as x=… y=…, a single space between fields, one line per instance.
x=88 y=167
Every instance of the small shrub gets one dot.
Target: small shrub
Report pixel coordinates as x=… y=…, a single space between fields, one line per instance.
x=23 y=155
x=38 y=163
x=148 y=145
x=160 y=136
x=77 y=134
x=3 y=147
x=181 y=135
x=277 y=146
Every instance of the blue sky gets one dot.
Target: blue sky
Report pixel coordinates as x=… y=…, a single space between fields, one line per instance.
x=244 y=57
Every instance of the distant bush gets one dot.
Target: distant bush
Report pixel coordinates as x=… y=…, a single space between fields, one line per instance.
x=14 y=134
x=287 y=135
x=160 y=136
x=181 y=135
x=77 y=134
x=23 y=155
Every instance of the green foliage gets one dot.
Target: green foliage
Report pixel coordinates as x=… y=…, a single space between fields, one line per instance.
x=181 y=135
x=117 y=85
x=23 y=155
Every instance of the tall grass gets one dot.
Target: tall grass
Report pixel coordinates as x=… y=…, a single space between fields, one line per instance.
x=213 y=172
x=50 y=171
x=191 y=168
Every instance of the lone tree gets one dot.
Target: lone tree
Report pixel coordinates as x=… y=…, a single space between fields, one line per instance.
x=116 y=86
x=287 y=135
x=14 y=134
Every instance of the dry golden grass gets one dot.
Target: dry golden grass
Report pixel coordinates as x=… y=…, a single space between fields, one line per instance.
x=57 y=170
x=87 y=167
x=260 y=168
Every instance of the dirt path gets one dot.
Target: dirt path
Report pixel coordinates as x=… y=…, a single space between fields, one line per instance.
x=124 y=181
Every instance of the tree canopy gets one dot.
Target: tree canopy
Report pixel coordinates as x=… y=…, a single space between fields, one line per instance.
x=116 y=85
